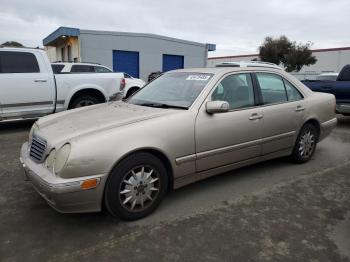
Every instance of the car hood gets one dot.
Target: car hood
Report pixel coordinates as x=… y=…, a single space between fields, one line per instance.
x=70 y=124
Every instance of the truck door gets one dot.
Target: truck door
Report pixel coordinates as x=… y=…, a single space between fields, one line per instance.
x=26 y=84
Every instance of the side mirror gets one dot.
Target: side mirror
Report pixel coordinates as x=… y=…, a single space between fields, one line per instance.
x=214 y=107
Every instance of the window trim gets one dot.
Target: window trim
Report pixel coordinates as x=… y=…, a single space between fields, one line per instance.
x=277 y=103
x=255 y=90
x=23 y=52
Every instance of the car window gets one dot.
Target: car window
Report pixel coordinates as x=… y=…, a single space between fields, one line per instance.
x=292 y=93
x=174 y=88
x=57 y=68
x=235 y=89
x=18 y=62
x=82 y=69
x=272 y=88
x=127 y=76
x=101 y=69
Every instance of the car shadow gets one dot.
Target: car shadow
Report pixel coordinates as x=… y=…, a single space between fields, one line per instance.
x=15 y=126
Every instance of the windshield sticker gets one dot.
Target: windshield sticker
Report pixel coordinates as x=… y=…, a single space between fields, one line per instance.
x=198 y=77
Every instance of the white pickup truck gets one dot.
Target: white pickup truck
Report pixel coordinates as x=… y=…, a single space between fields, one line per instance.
x=29 y=89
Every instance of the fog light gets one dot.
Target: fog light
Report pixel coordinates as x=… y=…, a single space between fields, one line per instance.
x=90 y=183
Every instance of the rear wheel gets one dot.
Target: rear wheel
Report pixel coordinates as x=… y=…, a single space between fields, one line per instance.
x=84 y=100
x=136 y=186
x=305 y=144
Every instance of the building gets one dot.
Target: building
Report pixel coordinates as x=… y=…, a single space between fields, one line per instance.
x=135 y=53
x=328 y=60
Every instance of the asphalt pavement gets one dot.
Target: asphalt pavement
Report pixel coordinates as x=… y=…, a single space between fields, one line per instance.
x=272 y=211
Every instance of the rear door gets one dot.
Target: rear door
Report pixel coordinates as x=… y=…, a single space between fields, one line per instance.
x=26 y=84
x=283 y=110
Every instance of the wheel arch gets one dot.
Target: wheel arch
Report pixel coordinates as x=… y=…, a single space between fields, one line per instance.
x=91 y=91
x=157 y=153
x=315 y=123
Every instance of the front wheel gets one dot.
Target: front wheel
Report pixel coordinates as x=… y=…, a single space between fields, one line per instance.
x=136 y=186
x=305 y=144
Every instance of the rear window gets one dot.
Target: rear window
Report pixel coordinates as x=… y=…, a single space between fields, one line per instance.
x=82 y=69
x=18 y=62
x=57 y=68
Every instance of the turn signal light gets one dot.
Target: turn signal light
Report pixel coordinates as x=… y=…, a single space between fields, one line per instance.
x=88 y=184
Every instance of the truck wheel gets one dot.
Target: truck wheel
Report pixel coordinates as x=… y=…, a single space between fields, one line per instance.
x=84 y=100
x=136 y=186
x=305 y=144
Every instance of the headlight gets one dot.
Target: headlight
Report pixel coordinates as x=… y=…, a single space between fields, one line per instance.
x=61 y=158
x=50 y=160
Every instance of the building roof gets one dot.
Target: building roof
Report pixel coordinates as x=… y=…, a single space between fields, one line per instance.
x=313 y=50
x=68 y=31
x=60 y=32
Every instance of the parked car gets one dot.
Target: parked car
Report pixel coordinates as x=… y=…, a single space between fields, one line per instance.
x=28 y=87
x=340 y=88
x=69 y=67
x=327 y=77
x=131 y=84
x=182 y=127
x=154 y=75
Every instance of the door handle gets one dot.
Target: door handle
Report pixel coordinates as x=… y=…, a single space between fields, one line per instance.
x=40 y=80
x=255 y=116
x=299 y=109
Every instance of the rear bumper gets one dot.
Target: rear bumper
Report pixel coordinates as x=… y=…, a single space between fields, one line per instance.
x=64 y=195
x=343 y=108
x=327 y=127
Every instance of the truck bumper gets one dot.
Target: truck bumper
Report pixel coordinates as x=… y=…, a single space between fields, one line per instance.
x=64 y=195
x=343 y=108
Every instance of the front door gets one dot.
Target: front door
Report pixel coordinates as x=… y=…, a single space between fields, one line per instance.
x=227 y=138
x=283 y=110
x=26 y=89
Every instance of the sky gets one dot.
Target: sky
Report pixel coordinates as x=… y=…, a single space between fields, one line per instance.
x=236 y=27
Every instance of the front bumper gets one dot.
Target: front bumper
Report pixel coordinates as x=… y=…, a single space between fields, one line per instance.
x=64 y=195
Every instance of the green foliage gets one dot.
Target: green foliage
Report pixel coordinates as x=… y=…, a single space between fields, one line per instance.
x=282 y=51
x=12 y=44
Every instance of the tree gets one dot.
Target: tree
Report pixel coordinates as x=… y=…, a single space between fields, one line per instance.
x=282 y=51
x=12 y=44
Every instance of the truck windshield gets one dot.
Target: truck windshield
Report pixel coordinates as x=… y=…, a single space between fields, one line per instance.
x=172 y=90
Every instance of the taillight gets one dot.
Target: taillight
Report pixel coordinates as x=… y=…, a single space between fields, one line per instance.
x=122 y=83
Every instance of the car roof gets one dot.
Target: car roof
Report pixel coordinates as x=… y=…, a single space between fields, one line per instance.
x=224 y=70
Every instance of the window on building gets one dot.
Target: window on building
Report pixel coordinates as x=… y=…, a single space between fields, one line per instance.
x=18 y=62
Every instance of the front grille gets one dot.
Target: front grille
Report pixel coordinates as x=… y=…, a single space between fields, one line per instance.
x=37 y=149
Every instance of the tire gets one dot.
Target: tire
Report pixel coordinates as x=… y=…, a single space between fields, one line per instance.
x=125 y=191
x=305 y=145
x=84 y=100
x=131 y=91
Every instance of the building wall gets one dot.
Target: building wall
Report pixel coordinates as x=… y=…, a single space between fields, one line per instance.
x=55 y=52
x=328 y=60
x=98 y=46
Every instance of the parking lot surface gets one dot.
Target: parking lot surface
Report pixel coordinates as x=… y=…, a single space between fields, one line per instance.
x=273 y=211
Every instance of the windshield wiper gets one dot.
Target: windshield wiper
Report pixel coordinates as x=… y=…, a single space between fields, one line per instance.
x=160 y=105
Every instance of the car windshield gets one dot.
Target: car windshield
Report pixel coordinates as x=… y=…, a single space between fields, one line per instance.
x=172 y=90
